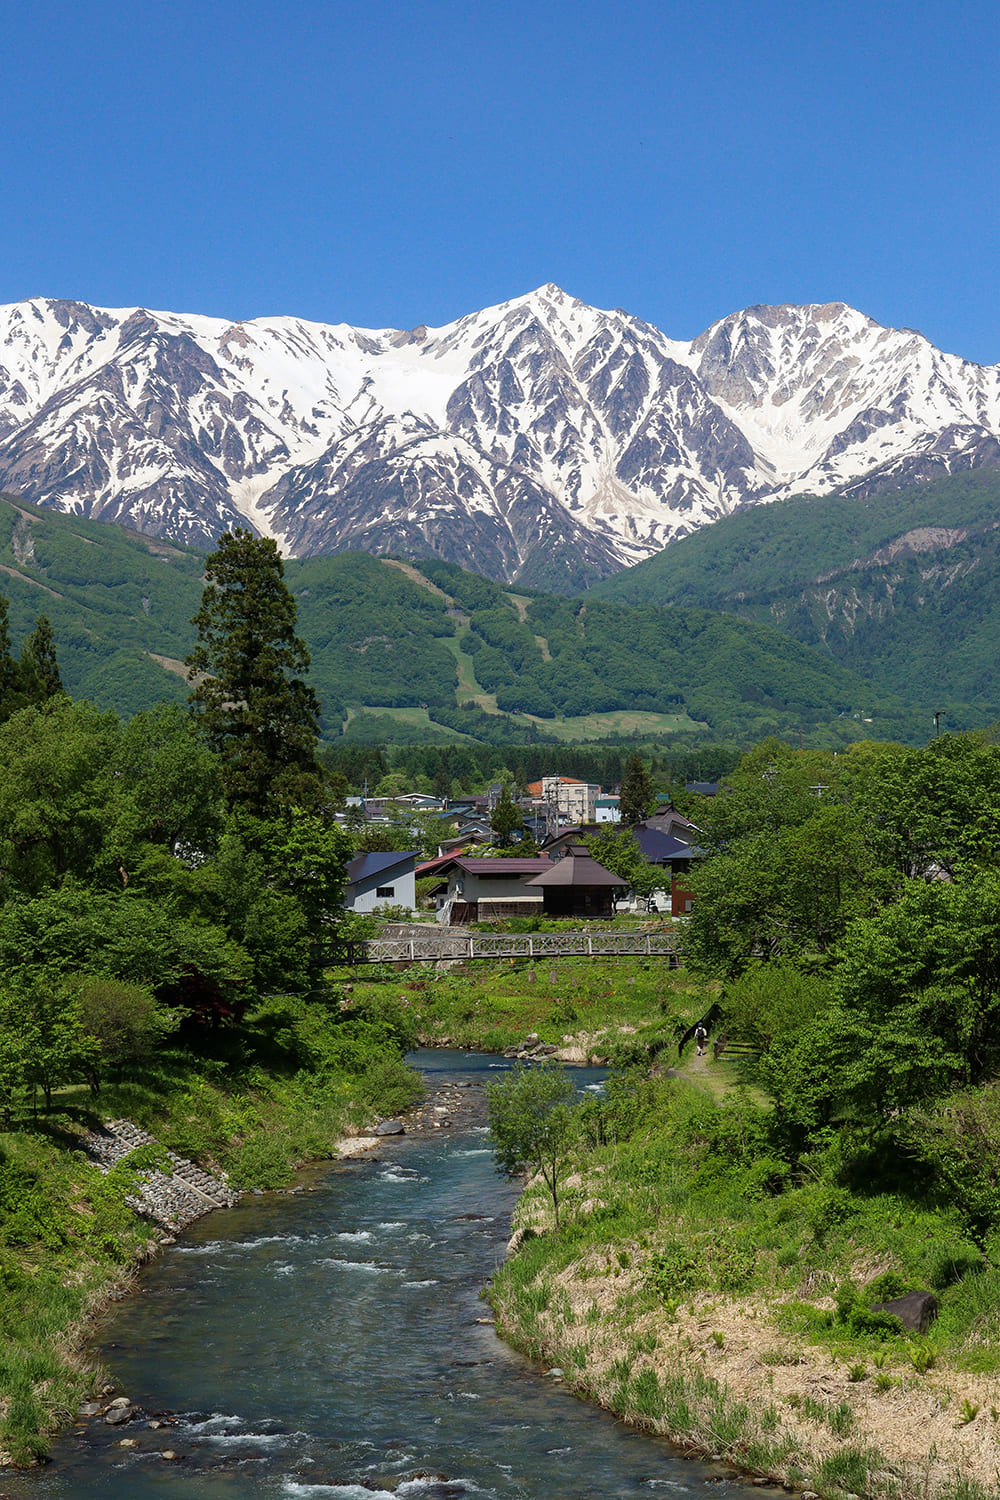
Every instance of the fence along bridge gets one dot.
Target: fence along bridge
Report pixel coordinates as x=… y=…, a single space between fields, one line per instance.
x=454 y=947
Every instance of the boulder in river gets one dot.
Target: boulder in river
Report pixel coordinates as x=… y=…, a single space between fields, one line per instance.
x=115 y=1416
x=390 y=1127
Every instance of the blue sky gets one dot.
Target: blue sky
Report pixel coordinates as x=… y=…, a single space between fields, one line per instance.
x=387 y=164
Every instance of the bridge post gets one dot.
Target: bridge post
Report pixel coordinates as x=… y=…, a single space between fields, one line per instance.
x=590 y=946
x=531 y=947
x=648 y=948
x=413 y=949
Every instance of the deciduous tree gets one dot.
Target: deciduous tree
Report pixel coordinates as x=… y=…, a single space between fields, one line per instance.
x=532 y=1123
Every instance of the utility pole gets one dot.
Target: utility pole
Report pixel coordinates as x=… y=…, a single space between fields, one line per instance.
x=937 y=723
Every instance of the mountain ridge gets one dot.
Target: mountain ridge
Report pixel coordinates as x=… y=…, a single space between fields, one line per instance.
x=541 y=441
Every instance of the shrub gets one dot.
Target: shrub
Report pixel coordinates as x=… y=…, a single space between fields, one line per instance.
x=734 y=1262
x=674 y=1269
x=124 y=1020
x=263 y=1161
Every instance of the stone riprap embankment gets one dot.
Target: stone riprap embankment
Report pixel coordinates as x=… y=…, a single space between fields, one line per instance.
x=172 y=1199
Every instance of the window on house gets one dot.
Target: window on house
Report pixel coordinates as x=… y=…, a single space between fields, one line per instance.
x=385 y=890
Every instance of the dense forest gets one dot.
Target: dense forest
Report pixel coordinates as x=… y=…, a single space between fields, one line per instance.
x=901 y=588
x=428 y=654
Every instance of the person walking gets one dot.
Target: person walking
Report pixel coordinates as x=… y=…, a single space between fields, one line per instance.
x=701 y=1037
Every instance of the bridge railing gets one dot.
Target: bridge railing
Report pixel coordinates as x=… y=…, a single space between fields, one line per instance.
x=465 y=947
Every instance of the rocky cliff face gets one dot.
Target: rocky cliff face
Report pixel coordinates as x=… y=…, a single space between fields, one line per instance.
x=541 y=441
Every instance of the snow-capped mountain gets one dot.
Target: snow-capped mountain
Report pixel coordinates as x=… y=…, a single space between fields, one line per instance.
x=542 y=440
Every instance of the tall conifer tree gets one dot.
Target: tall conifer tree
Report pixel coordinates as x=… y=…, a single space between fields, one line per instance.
x=39 y=670
x=636 y=794
x=252 y=705
x=9 y=676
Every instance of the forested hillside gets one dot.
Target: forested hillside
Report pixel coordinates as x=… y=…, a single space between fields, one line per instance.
x=904 y=589
x=429 y=653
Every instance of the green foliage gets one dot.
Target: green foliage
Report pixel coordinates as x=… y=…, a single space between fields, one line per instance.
x=119 y=605
x=674 y=1271
x=891 y=613
x=253 y=708
x=506 y=818
x=124 y=1020
x=532 y=1124
x=617 y=850
x=791 y=864
x=636 y=799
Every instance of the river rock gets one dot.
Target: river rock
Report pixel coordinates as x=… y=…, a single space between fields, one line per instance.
x=115 y=1416
x=390 y=1127
x=916 y=1311
x=126 y=1443
x=90 y=1409
x=169 y=1453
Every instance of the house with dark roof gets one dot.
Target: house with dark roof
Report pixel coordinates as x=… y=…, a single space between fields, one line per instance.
x=666 y=841
x=577 y=886
x=486 y=889
x=384 y=879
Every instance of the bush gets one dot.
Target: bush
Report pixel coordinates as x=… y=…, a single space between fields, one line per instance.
x=389 y=1086
x=674 y=1269
x=124 y=1019
x=263 y=1161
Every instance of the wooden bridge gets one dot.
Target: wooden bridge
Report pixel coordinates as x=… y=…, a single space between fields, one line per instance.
x=446 y=945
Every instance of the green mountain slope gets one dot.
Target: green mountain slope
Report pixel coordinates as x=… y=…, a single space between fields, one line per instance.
x=904 y=589
x=116 y=600
x=425 y=652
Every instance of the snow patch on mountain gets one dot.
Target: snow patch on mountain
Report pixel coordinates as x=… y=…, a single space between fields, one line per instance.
x=540 y=434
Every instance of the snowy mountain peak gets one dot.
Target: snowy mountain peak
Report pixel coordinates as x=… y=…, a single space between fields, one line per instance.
x=541 y=440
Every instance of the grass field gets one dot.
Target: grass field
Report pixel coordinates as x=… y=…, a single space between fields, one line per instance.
x=621 y=721
x=604 y=1006
x=410 y=718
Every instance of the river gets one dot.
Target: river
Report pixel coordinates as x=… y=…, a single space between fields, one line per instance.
x=332 y=1343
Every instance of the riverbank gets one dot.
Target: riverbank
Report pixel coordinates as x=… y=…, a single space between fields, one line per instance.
x=254 y=1104
x=590 y=1010
x=689 y=1301
x=724 y=1380
x=85 y=1388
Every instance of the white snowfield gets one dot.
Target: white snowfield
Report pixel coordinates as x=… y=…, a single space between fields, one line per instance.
x=538 y=429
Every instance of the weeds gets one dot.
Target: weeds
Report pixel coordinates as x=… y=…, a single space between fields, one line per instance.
x=922 y=1357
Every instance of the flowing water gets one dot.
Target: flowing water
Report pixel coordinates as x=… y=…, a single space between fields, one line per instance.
x=330 y=1343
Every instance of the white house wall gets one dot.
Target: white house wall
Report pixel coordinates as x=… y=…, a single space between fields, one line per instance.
x=403 y=886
